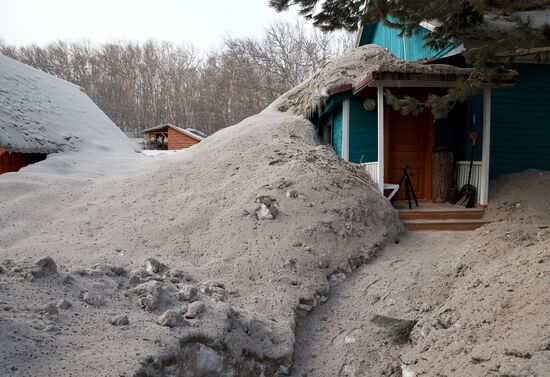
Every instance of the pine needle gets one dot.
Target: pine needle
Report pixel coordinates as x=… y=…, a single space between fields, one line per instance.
x=399 y=330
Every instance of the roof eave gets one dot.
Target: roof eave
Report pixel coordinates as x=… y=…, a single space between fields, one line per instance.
x=340 y=89
x=425 y=80
x=30 y=149
x=175 y=128
x=153 y=129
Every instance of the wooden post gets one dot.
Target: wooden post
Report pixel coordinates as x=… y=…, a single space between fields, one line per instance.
x=486 y=151
x=345 y=130
x=380 y=107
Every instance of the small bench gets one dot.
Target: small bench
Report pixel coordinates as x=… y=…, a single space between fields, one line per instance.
x=391 y=186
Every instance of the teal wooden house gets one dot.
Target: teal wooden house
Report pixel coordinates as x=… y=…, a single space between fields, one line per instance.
x=512 y=119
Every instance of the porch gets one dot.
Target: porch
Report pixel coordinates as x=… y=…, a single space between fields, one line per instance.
x=439 y=216
x=435 y=216
x=410 y=139
x=461 y=172
x=364 y=129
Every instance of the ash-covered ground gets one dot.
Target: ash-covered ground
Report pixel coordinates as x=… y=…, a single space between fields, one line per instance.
x=257 y=252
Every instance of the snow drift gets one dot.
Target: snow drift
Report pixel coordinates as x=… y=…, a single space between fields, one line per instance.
x=201 y=263
x=480 y=299
x=247 y=230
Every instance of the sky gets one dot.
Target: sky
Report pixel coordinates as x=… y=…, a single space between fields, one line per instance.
x=201 y=22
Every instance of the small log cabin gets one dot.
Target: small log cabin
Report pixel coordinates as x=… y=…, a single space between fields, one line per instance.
x=168 y=136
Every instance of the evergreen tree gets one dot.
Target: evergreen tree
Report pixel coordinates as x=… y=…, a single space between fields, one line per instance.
x=453 y=19
x=518 y=35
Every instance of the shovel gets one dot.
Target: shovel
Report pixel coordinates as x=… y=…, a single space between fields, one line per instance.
x=468 y=193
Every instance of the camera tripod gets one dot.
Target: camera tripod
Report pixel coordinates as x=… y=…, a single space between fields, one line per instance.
x=406 y=179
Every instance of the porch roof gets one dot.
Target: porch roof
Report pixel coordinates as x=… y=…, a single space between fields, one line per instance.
x=433 y=75
x=370 y=65
x=422 y=75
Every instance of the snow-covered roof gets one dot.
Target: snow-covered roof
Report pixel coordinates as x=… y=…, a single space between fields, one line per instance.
x=40 y=113
x=191 y=132
x=362 y=66
x=197 y=132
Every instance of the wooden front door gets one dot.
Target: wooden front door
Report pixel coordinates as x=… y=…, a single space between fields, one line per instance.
x=410 y=141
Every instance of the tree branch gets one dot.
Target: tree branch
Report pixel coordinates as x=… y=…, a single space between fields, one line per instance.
x=521 y=52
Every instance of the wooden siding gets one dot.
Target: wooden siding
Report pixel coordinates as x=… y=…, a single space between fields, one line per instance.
x=11 y=162
x=337 y=129
x=363 y=130
x=178 y=140
x=404 y=47
x=334 y=101
x=451 y=133
x=520 y=122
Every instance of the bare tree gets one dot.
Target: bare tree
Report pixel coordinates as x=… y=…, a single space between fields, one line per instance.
x=141 y=85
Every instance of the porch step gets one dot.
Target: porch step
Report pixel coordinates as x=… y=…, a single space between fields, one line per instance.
x=444 y=224
x=438 y=214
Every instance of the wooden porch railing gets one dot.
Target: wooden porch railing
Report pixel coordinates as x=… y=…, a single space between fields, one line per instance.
x=372 y=169
x=461 y=174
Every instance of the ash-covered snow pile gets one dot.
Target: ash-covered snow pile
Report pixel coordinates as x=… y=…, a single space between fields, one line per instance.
x=494 y=320
x=308 y=97
x=197 y=265
x=198 y=216
x=480 y=299
x=523 y=197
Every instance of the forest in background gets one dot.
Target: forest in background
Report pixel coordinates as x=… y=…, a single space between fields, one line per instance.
x=140 y=85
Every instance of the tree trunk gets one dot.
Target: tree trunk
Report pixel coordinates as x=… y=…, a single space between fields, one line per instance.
x=442 y=176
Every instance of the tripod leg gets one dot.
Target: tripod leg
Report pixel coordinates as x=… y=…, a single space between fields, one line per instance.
x=401 y=181
x=399 y=189
x=407 y=191
x=413 y=194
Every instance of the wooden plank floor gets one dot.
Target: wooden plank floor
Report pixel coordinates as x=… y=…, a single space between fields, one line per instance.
x=432 y=216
